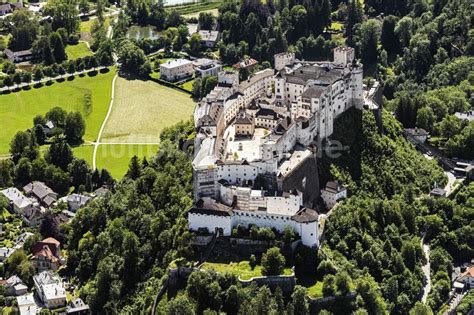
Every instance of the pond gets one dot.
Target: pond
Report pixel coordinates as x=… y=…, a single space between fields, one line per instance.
x=139 y=32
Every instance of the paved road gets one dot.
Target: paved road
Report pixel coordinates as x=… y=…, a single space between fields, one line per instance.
x=426 y=271
x=111 y=105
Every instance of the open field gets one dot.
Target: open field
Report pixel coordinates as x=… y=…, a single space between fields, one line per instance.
x=214 y=12
x=142 y=109
x=84 y=152
x=18 y=109
x=78 y=51
x=191 y=8
x=241 y=269
x=116 y=157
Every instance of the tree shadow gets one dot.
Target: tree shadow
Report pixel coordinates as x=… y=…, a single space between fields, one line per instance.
x=71 y=78
x=92 y=73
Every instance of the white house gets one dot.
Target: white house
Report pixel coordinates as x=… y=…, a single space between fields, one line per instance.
x=15 y=286
x=209 y=38
x=26 y=304
x=176 y=70
x=19 y=203
x=205 y=67
x=77 y=201
x=50 y=289
x=332 y=193
x=18 y=56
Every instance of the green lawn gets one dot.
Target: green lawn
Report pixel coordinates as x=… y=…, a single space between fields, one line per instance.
x=116 y=157
x=78 y=51
x=188 y=85
x=18 y=109
x=142 y=109
x=316 y=290
x=84 y=152
x=241 y=269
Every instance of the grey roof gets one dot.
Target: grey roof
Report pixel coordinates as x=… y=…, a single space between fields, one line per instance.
x=243 y=120
x=19 y=53
x=209 y=36
x=46 y=277
x=334 y=186
x=416 y=132
x=306 y=73
x=267 y=113
x=438 y=192
x=305 y=215
x=82 y=200
x=209 y=206
x=313 y=92
x=39 y=190
x=5 y=7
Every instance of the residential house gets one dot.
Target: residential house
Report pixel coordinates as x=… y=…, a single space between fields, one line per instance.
x=5 y=252
x=416 y=135
x=47 y=254
x=247 y=63
x=77 y=201
x=100 y=192
x=205 y=67
x=469 y=115
x=176 y=70
x=21 y=239
x=33 y=217
x=6 y=8
x=467 y=277
x=19 y=203
x=14 y=286
x=77 y=307
x=18 y=56
x=209 y=39
x=50 y=289
x=38 y=190
x=438 y=192
x=27 y=305
x=49 y=128
x=332 y=193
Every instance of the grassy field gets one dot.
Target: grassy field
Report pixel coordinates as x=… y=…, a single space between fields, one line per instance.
x=78 y=51
x=214 y=12
x=191 y=8
x=241 y=269
x=316 y=290
x=116 y=157
x=188 y=85
x=18 y=109
x=84 y=152
x=142 y=109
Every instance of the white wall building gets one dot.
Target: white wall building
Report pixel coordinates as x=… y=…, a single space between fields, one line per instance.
x=332 y=193
x=176 y=70
x=50 y=289
x=297 y=108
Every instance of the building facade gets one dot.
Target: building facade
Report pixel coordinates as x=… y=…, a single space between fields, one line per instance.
x=254 y=138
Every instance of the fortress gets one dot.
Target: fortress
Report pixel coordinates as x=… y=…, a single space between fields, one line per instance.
x=256 y=141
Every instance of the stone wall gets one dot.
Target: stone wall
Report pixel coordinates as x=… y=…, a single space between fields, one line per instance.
x=286 y=283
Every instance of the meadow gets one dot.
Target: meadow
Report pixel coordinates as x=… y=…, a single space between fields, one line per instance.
x=142 y=109
x=78 y=51
x=18 y=109
x=116 y=157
